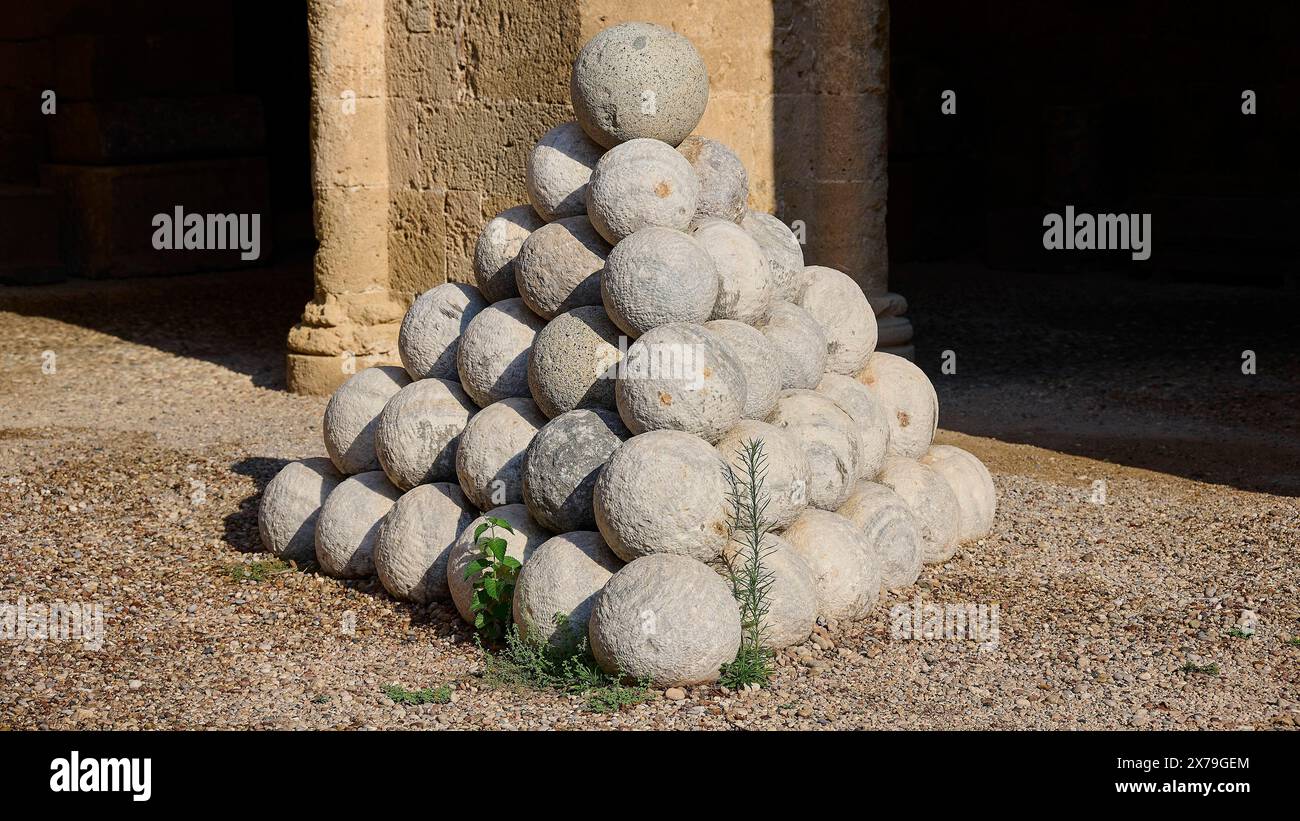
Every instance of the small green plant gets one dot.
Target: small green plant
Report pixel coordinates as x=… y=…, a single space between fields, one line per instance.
x=1238 y=633
x=1211 y=669
x=1294 y=641
x=428 y=695
x=258 y=571
x=751 y=581
x=320 y=699
x=494 y=575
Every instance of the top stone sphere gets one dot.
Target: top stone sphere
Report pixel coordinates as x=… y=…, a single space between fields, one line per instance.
x=639 y=80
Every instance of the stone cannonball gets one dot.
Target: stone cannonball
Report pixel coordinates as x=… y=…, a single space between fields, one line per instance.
x=783 y=251
x=910 y=403
x=745 y=289
x=562 y=464
x=574 y=362
x=658 y=276
x=352 y=416
x=758 y=359
x=563 y=576
x=349 y=524
x=558 y=170
x=490 y=456
x=931 y=500
x=497 y=247
x=431 y=330
x=829 y=439
x=846 y=317
x=787 y=477
x=800 y=342
x=890 y=530
x=977 y=499
x=638 y=80
x=642 y=504
x=291 y=502
x=845 y=569
x=418 y=432
x=680 y=377
x=493 y=357
x=724 y=183
x=641 y=184
x=669 y=619
x=792 y=598
x=868 y=415
x=416 y=538
x=559 y=265
x=520 y=545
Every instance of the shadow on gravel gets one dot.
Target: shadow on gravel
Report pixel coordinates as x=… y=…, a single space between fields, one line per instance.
x=240 y=528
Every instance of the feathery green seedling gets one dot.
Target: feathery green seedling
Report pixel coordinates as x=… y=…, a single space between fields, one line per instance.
x=751 y=581
x=427 y=695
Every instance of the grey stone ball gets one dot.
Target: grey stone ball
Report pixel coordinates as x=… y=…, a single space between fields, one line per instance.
x=801 y=343
x=669 y=619
x=911 y=405
x=758 y=359
x=638 y=80
x=724 y=183
x=497 y=247
x=890 y=529
x=559 y=265
x=680 y=377
x=845 y=569
x=977 y=498
x=829 y=439
x=574 y=362
x=931 y=500
x=349 y=524
x=418 y=432
x=564 y=576
x=745 y=289
x=783 y=251
x=490 y=456
x=641 y=501
x=657 y=276
x=493 y=357
x=558 y=170
x=431 y=330
x=846 y=317
x=520 y=545
x=868 y=415
x=792 y=598
x=787 y=478
x=641 y=184
x=415 y=541
x=291 y=502
x=562 y=464
x=352 y=416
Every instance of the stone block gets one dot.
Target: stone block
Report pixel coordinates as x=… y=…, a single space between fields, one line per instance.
x=119 y=66
x=417 y=253
x=29 y=231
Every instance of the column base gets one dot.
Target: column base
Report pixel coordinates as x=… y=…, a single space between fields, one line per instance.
x=895 y=329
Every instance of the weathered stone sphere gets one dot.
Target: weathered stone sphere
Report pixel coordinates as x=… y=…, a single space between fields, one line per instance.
x=641 y=184
x=792 y=598
x=291 y=502
x=352 y=416
x=562 y=464
x=418 y=432
x=520 y=545
x=827 y=437
x=431 y=330
x=349 y=524
x=786 y=482
x=574 y=362
x=931 y=500
x=724 y=183
x=800 y=342
x=910 y=402
x=680 y=377
x=641 y=503
x=757 y=358
x=669 y=619
x=845 y=569
x=559 y=265
x=496 y=249
x=889 y=529
x=744 y=285
x=977 y=499
x=783 y=251
x=563 y=576
x=638 y=80
x=558 y=170
x=416 y=538
x=657 y=276
x=846 y=317
x=493 y=357
x=490 y=456
x=868 y=416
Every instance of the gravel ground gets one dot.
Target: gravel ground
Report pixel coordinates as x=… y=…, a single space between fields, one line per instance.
x=129 y=479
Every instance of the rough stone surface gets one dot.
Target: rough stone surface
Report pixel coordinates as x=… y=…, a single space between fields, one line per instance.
x=640 y=184
x=745 y=289
x=349 y=524
x=291 y=502
x=890 y=529
x=490 y=456
x=638 y=80
x=497 y=248
x=416 y=538
x=846 y=317
x=352 y=416
x=757 y=356
x=670 y=619
x=657 y=276
x=558 y=170
x=845 y=569
x=868 y=415
x=493 y=357
x=786 y=481
x=562 y=464
x=564 y=575
x=783 y=251
x=558 y=267
x=828 y=437
x=574 y=362
x=910 y=402
x=792 y=599
x=680 y=377
x=724 y=183
x=520 y=545
x=432 y=327
x=801 y=343
x=419 y=430
x=977 y=499
x=931 y=500
x=640 y=504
